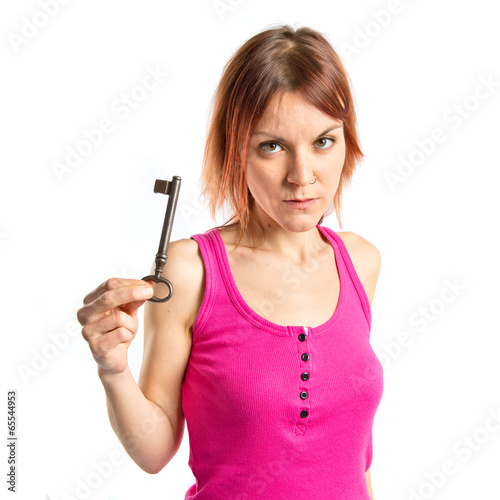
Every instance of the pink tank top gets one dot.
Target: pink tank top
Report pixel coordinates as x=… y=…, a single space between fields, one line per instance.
x=279 y=411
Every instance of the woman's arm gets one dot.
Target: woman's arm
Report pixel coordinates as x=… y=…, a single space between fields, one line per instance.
x=168 y=338
x=146 y=416
x=109 y=320
x=367 y=261
x=369 y=483
x=141 y=426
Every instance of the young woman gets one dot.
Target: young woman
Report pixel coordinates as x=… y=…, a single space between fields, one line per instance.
x=263 y=349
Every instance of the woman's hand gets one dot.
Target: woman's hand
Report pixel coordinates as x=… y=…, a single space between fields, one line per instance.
x=109 y=320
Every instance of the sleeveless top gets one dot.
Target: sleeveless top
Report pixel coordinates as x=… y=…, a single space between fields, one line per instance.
x=273 y=411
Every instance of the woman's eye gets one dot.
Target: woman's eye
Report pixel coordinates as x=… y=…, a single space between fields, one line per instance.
x=270 y=147
x=323 y=142
x=274 y=147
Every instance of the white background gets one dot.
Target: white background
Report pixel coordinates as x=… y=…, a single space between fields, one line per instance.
x=412 y=69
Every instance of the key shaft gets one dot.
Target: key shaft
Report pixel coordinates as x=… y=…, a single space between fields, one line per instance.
x=170 y=188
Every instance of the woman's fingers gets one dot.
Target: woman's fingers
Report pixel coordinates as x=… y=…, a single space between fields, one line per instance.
x=105 y=344
x=113 y=293
x=109 y=320
x=111 y=284
x=116 y=319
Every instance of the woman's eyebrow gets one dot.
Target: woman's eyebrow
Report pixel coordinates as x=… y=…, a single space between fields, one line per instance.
x=262 y=132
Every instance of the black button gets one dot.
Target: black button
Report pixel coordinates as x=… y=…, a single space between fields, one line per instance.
x=303 y=395
x=304 y=413
x=305 y=356
x=304 y=376
x=302 y=337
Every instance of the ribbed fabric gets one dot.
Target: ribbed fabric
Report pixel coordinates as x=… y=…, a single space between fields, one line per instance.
x=242 y=386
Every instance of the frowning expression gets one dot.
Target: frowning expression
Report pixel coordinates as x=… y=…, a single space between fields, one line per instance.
x=291 y=143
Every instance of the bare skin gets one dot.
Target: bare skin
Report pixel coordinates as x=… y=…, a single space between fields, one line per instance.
x=109 y=320
x=147 y=416
x=313 y=303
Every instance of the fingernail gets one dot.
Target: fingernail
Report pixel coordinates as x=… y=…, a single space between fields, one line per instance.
x=147 y=291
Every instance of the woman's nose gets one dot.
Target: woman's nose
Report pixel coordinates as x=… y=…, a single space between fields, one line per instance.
x=300 y=169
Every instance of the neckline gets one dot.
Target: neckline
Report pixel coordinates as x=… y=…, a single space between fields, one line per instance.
x=264 y=323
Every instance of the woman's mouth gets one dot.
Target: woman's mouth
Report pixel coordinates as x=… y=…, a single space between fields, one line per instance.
x=306 y=203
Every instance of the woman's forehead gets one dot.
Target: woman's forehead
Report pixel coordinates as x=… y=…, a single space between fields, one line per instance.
x=287 y=106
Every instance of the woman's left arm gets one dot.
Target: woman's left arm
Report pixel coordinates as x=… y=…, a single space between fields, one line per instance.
x=367 y=261
x=369 y=483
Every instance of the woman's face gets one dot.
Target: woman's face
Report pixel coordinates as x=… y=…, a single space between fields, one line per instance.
x=292 y=142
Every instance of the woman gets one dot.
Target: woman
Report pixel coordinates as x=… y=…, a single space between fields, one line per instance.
x=278 y=393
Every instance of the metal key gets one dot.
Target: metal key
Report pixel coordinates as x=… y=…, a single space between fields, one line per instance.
x=170 y=188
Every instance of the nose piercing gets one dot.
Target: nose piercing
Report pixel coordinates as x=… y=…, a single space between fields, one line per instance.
x=313 y=180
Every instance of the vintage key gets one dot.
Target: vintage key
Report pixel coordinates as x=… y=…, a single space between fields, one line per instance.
x=170 y=188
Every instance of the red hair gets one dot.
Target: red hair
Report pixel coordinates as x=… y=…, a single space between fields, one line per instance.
x=273 y=61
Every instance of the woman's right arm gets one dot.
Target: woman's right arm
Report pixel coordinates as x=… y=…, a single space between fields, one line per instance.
x=147 y=416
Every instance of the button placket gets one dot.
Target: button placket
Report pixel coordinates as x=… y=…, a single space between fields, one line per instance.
x=304 y=377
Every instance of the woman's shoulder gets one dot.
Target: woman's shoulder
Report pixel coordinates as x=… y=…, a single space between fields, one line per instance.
x=357 y=245
x=366 y=259
x=186 y=272
x=186 y=259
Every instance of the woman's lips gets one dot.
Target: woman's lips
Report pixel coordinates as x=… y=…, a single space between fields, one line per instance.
x=300 y=204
